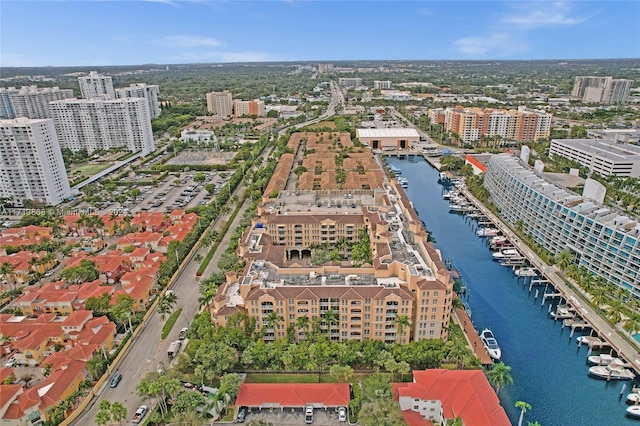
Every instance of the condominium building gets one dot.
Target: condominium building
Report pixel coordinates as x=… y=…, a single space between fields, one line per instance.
x=325 y=68
x=249 y=108
x=103 y=124
x=605 y=90
x=31 y=165
x=343 y=254
x=350 y=82
x=382 y=85
x=30 y=101
x=602 y=156
x=603 y=241
x=96 y=86
x=470 y=124
x=142 y=90
x=220 y=103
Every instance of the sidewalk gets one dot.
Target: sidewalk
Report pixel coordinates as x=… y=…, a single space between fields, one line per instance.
x=471 y=334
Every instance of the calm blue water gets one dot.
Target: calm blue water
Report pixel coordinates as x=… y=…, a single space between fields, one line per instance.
x=548 y=369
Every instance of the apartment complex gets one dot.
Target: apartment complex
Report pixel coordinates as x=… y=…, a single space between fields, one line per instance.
x=604 y=241
x=604 y=90
x=342 y=253
x=96 y=86
x=350 y=82
x=602 y=156
x=31 y=165
x=220 y=103
x=470 y=124
x=30 y=101
x=382 y=85
x=325 y=68
x=249 y=108
x=98 y=124
x=142 y=90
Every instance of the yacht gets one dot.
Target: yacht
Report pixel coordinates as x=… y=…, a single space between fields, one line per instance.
x=490 y=344
x=487 y=232
x=634 y=411
x=611 y=372
x=505 y=254
x=604 y=359
x=526 y=272
x=563 y=312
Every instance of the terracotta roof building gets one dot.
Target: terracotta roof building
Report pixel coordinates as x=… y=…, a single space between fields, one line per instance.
x=293 y=395
x=340 y=241
x=438 y=395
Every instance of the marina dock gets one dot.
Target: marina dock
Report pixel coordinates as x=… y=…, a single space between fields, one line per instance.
x=471 y=334
x=564 y=290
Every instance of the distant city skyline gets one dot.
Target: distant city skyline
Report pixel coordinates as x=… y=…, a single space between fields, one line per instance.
x=92 y=33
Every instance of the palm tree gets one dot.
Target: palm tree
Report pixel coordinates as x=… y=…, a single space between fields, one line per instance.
x=118 y=411
x=564 y=259
x=331 y=318
x=499 y=376
x=6 y=270
x=401 y=321
x=303 y=324
x=615 y=310
x=273 y=319
x=632 y=324
x=600 y=297
x=523 y=406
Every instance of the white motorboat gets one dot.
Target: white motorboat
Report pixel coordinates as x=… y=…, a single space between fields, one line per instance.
x=611 y=372
x=487 y=232
x=490 y=344
x=604 y=359
x=458 y=208
x=526 y=272
x=589 y=340
x=634 y=411
x=562 y=312
x=505 y=254
x=633 y=397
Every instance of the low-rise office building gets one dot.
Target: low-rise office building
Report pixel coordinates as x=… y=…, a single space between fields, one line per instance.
x=603 y=156
x=388 y=139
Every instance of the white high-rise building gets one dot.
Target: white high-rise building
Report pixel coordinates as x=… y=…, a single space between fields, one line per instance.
x=350 y=82
x=96 y=86
x=142 y=90
x=382 y=84
x=30 y=101
x=103 y=124
x=31 y=164
x=220 y=103
x=605 y=90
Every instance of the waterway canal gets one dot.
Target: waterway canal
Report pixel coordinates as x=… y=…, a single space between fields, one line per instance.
x=549 y=370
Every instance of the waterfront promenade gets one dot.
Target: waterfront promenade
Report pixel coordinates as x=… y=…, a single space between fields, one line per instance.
x=599 y=325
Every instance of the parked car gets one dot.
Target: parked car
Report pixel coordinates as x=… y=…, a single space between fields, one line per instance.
x=242 y=414
x=342 y=414
x=12 y=361
x=115 y=380
x=183 y=333
x=308 y=414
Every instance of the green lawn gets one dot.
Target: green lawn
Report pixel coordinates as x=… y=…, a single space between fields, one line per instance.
x=322 y=125
x=88 y=169
x=166 y=328
x=296 y=378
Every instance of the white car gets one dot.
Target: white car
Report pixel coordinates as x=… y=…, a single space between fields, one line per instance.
x=342 y=414
x=308 y=414
x=12 y=361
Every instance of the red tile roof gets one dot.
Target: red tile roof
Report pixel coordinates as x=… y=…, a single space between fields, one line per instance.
x=293 y=395
x=463 y=393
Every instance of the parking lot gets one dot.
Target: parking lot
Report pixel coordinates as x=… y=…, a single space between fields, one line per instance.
x=287 y=417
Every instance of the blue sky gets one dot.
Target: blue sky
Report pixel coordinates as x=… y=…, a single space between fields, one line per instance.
x=119 y=32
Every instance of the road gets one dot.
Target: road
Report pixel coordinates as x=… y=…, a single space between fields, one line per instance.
x=147 y=350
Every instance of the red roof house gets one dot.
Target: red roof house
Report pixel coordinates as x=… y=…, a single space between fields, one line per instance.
x=439 y=395
x=281 y=395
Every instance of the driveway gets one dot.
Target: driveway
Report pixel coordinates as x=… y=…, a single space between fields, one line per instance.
x=279 y=417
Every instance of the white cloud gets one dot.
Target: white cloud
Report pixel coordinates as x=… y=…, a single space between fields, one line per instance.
x=187 y=41
x=542 y=14
x=169 y=2
x=493 y=45
x=425 y=12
